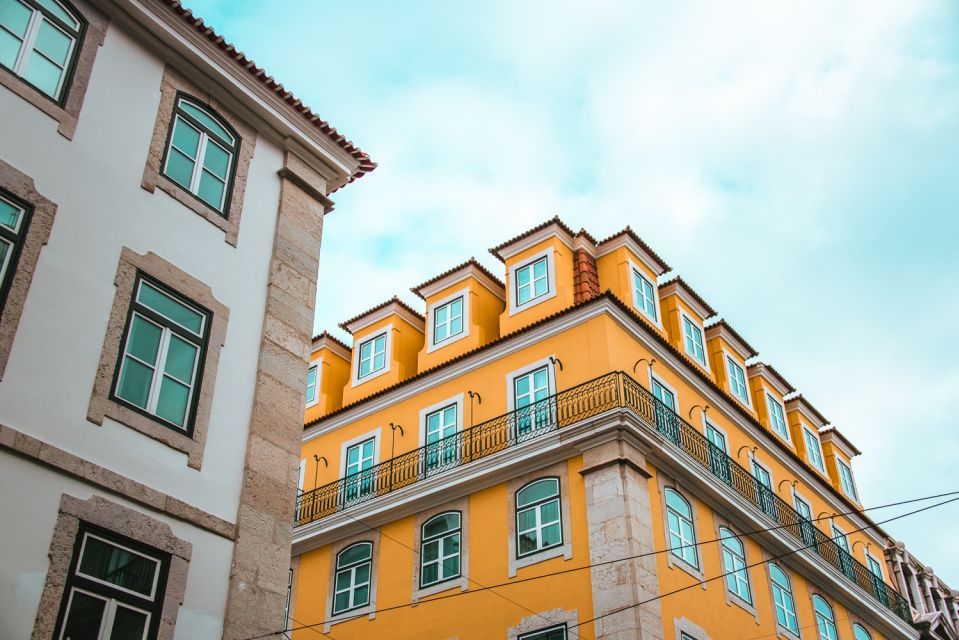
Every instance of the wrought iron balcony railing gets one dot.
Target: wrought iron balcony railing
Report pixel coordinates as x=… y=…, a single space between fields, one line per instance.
x=615 y=390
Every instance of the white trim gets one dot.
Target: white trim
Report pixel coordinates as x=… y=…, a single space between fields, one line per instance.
x=658 y=320
x=156 y=572
x=769 y=414
x=469 y=271
x=376 y=434
x=702 y=336
x=551 y=231
x=668 y=387
x=457 y=400
x=852 y=478
x=391 y=309
x=822 y=458
x=356 y=380
x=511 y=288
x=867 y=556
x=431 y=320
x=748 y=401
x=638 y=251
x=302 y=476
x=715 y=427
x=799 y=496
x=333 y=347
x=318 y=363
x=527 y=369
x=756 y=463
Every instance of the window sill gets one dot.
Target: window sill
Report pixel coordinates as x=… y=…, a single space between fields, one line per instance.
x=461 y=583
x=369 y=611
x=675 y=563
x=734 y=600
x=529 y=304
x=564 y=550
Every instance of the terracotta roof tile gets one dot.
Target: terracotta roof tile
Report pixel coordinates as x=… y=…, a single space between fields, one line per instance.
x=394 y=299
x=679 y=280
x=554 y=220
x=585 y=276
x=799 y=398
x=776 y=374
x=722 y=323
x=366 y=165
x=841 y=436
x=632 y=234
x=472 y=261
x=329 y=336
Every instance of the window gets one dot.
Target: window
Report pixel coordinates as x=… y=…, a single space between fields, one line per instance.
x=38 y=42
x=532 y=281
x=531 y=391
x=716 y=437
x=693 y=339
x=372 y=356
x=764 y=490
x=358 y=477
x=448 y=320
x=813 y=450
x=734 y=565
x=806 y=528
x=644 y=295
x=783 y=599
x=553 y=633
x=200 y=154
x=666 y=419
x=538 y=525
x=845 y=479
x=440 y=445
x=718 y=460
x=874 y=567
x=164 y=347
x=737 y=380
x=825 y=622
x=351 y=586
x=679 y=520
x=114 y=590
x=859 y=632
x=440 y=549
x=777 y=417
x=311 y=392
x=14 y=220
x=846 y=561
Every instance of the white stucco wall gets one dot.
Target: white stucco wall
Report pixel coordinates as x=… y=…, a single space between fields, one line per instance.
x=95 y=181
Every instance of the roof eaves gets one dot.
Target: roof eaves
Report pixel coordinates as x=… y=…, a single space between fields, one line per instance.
x=554 y=220
x=678 y=281
x=628 y=231
x=471 y=262
x=383 y=305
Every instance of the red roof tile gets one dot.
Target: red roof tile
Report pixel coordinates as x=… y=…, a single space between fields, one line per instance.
x=329 y=336
x=554 y=220
x=394 y=299
x=695 y=296
x=632 y=234
x=472 y=261
x=752 y=353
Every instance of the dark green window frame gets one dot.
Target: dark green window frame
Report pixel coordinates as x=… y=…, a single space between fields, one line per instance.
x=16 y=239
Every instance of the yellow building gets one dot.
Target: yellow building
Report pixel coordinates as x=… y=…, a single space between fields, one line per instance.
x=582 y=450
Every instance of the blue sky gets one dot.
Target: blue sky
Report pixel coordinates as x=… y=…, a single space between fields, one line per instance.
x=797 y=163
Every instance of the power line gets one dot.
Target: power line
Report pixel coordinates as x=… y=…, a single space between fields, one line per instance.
x=646 y=554
x=756 y=564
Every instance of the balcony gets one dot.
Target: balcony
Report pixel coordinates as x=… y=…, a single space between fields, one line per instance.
x=615 y=390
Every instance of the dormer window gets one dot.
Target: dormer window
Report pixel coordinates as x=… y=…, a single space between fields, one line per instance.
x=737 y=380
x=644 y=295
x=532 y=281
x=448 y=319
x=846 y=481
x=312 y=395
x=372 y=356
x=777 y=418
x=693 y=340
x=813 y=449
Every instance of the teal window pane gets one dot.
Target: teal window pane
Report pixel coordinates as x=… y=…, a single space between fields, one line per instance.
x=9 y=215
x=172 y=403
x=53 y=43
x=526 y=519
x=527 y=543
x=56 y=9
x=539 y=490
x=361 y=597
x=539 y=269
x=342 y=601
x=203 y=118
x=539 y=380
x=135 y=382
x=362 y=574
x=452 y=544
x=43 y=74
x=144 y=340
x=342 y=580
x=522 y=276
x=522 y=387
x=180 y=359
x=456 y=325
x=430 y=573
x=128 y=623
x=441 y=314
x=104 y=561
x=15 y=17
x=5 y=250
x=431 y=551
x=211 y=190
x=441 y=524
x=167 y=307
x=451 y=567
x=9 y=49
x=186 y=138
x=379 y=361
x=216 y=160
x=551 y=535
x=541 y=288
x=549 y=512
x=179 y=168
x=456 y=307
x=354 y=554
x=84 y=616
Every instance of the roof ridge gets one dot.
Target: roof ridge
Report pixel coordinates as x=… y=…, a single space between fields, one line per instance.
x=472 y=261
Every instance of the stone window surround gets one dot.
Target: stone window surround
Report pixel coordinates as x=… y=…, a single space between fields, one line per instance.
x=672 y=561
x=101 y=402
x=369 y=610
x=543 y=621
x=463 y=581
x=66 y=110
x=690 y=628
x=42 y=214
x=781 y=631
x=172 y=86
x=732 y=598
x=559 y=470
x=123 y=521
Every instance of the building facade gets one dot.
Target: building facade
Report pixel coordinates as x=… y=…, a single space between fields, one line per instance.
x=161 y=210
x=580 y=450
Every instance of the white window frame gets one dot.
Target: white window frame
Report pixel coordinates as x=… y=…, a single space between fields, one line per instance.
x=30 y=39
x=156 y=574
x=683 y=317
x=840 y=465
x=686 y=545
x=514 y=307
x=708 y=424
x=839 y=534
x=432 y=346
x=819 y=617
x=739 y=575
x=730 y=361
x=787 y=589
x=770 y=401
x=807 y=431
x=526 y=370
x=374 y=434
x=668 y=387
x=797 y=498
x=539 y=526
x=637 y=304
x=318 y=365
x=440 y=539
x=353 y=585
x=871 y=558
x=425 y=413
x=857 y=635
x=387 y=356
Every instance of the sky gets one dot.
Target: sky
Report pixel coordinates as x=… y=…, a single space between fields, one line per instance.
x=797 y=163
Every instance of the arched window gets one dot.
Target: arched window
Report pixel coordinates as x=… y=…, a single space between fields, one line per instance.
x=783 y=598
x=859 y=632
x=682 y=537
x=200 y=153
x=351 y=585
x=734 y=564
x=440 y=548
x=38 y=42
x=538 y=524
x=825 y=622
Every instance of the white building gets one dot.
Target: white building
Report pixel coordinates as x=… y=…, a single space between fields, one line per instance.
x=161 y=207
